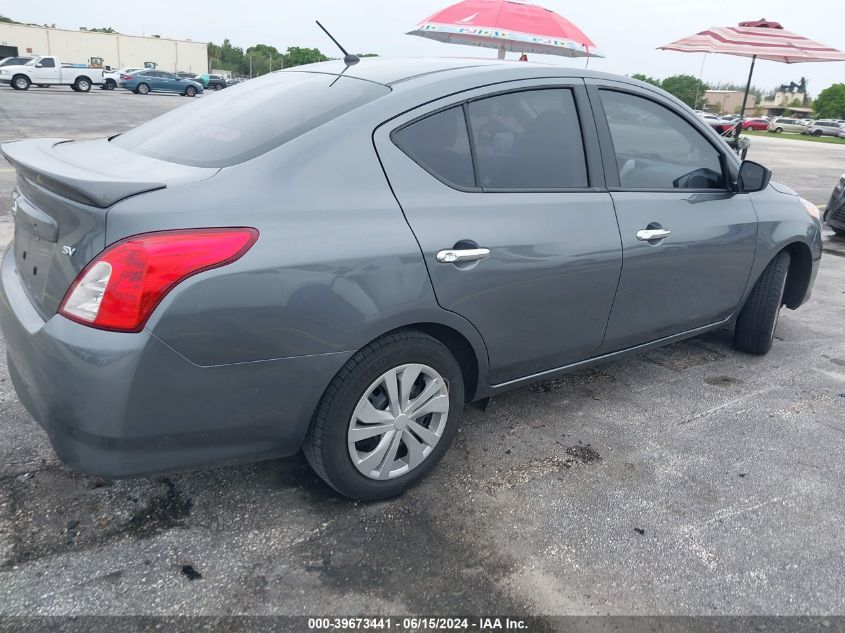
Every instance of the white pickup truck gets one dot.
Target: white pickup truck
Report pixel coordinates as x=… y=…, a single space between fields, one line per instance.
x=48 y=70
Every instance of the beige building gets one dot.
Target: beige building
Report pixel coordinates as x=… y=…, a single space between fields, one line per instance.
x=728 y=101
x=116 y=50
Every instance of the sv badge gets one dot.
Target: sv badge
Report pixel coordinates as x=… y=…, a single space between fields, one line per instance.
x=68 y=250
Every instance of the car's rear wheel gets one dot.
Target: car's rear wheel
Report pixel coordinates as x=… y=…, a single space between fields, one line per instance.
x=110 y=84
x=755 y=326
x=817 y=133
x=190 y=91
x=21 y=82
x=217 y=87
x=387 y=417
x=82 y=84
x=143 y=89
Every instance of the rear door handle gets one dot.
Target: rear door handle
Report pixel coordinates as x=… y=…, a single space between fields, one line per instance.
x=647 y=235
x=456 y=256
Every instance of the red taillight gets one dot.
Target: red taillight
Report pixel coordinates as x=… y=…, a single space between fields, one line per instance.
x=126 y=77
x=121 y=287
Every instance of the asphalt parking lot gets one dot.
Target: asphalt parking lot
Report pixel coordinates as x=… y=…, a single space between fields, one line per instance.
x=688 y=480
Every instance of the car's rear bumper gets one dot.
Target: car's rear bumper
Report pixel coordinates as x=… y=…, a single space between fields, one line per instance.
x=117 y=404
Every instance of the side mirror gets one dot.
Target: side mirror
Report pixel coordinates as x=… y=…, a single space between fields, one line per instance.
x=752 y=177
x=39 y=65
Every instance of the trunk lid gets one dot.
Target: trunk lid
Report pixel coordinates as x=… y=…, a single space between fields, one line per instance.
x=64 y=190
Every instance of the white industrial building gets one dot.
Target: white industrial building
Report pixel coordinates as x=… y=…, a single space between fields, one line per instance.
x=116 y=50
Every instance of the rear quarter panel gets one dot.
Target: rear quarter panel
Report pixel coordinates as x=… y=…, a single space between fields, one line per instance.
x=335 y=266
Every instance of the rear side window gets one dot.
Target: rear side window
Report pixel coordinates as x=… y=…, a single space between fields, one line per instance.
x=249 y=119
x=528 y=140
x=440 y=144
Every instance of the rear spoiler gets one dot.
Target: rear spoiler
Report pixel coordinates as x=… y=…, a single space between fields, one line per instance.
x=37 y=162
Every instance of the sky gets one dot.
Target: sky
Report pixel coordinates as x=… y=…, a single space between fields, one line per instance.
x=627 y=32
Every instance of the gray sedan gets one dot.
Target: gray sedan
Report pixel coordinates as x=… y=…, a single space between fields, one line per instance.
x=336 y=259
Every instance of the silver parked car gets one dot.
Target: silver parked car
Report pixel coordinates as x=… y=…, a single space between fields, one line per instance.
x=823 y=128
x=785 y=124
x=235 y=280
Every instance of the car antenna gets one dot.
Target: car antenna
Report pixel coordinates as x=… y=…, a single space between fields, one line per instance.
x=348 y=58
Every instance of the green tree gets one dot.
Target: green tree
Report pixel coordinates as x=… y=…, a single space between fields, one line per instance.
x=687 y=88
x=646 y=78
x=103 y=30
x=830 y=104
x=296 y=56
x=6 y=20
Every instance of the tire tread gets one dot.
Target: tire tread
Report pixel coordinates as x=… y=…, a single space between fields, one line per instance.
x=755 y=320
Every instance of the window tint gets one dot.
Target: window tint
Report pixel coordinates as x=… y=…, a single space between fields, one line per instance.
x=528 y=140
x=48 y=62
x=657 y=149
x=440 y=144
x=249 y=119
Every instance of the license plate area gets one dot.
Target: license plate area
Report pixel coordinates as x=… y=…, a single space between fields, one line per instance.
x=36 y=235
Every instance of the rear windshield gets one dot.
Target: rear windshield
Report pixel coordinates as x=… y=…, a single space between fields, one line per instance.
x=246 y=120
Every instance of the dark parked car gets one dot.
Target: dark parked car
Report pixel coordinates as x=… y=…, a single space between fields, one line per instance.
x=834 y=213
x=342 y=274
x=212 y=82
x=147 y=81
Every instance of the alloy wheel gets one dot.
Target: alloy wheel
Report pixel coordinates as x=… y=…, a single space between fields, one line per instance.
x=398 y=421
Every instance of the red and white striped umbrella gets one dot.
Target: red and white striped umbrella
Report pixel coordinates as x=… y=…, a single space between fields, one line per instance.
x=507 y=25
x=761 y=39
x=757 y=39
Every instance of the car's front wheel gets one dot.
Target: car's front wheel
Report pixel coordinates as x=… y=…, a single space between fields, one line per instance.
x=387 y=417
x=755 y=326
x=21 y=82
x=190 y=91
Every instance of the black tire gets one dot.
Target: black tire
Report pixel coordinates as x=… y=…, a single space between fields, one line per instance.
x=21 y=82
x=778 y=130
x=755 y=326
x=74 y=88
x=217 y=87
x=817 y=133
x=82 y=84
x=190 y=91
x=839 y=232
x=326 y=447
x=110 y=84
x=143 y=89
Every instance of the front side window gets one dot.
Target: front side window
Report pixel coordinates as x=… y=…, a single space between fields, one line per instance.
x=48 y=62
x=658 y=149
x=528 y=140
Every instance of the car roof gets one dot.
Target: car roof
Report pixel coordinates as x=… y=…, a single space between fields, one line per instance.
x=390 y=71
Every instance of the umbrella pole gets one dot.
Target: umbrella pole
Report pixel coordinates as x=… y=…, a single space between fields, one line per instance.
x=501 y=52
x=745 y=98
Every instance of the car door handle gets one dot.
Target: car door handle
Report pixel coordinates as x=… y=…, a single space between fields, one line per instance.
x=456 y=256
x=647 y=235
